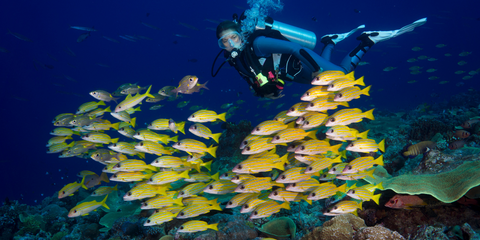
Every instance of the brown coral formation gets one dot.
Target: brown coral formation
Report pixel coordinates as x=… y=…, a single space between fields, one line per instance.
x=377 y=233
x=340 y=227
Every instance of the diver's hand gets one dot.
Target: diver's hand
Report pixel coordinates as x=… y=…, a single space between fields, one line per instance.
x=271 y=95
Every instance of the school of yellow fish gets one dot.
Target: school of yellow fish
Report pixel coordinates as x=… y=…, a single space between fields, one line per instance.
x=298 y=174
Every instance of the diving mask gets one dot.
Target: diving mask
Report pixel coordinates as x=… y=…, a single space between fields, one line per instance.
x=231 y=40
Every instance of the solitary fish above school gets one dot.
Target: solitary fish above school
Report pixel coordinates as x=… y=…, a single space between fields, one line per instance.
x=130 y=101
x=206 y=116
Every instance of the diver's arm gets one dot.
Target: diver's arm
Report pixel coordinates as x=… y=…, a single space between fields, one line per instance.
x=264 y=47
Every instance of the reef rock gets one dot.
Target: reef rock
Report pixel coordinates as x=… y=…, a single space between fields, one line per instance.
x=341 y=227
x=377 y=233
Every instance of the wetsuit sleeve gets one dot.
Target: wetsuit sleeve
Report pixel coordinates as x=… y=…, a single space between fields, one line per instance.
x=264 y=47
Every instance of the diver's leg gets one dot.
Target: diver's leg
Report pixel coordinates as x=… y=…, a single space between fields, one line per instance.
x=331 y=39
x=368 y=39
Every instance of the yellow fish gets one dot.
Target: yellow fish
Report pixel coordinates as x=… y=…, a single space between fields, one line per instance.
x=206 y=116
x=70 y=188
x=130 y=101
x=347 y=116
x=197 y=226
x=327 y=77
x=85 y=208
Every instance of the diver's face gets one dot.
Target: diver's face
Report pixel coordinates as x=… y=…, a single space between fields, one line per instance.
x=230 y=39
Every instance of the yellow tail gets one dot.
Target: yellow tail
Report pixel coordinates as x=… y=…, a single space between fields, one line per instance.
x=215 y=176
x=369 y=114
x=148 y=92
x=101 y=103
x=376 y=198
x=216 y=136
x=381 y=146
x=335 y=148
x=181 y=127
x=104 y=177
x=213 y=226
x=222 y=116
x=363 y=135
x=212 y=151
x=132 y=121
x=103 y=202
x=107 y=109
x=285 y=205
x=379 y=160
x=360 y=82
x=366 y=91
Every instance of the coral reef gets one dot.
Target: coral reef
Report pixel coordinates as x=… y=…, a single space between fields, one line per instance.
x=377 y=233
x=341 y=227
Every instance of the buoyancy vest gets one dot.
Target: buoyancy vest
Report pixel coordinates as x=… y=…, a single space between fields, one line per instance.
x=265 y=75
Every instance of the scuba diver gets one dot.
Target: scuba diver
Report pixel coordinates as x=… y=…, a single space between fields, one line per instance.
x=276 y=52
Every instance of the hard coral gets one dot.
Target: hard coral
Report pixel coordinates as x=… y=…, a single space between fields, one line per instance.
x=377 y=233
x=425 y=129
x=338 y=228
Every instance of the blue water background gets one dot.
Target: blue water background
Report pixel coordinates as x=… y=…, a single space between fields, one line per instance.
x=32 y=97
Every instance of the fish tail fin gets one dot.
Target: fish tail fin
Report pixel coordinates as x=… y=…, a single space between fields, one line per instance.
x=115 y=125
x=379 y=186
x=115 y=188
x=381 y=145
x=141 y=155
x=184 y=174
x=133 y=121
x=82 y=183
x=196 y=166
x=379 y=160
x=104 y=177
x=360 y=81
x=181 y=127
x=342 y=188
x=204 y=85
x=216 y=136
x=369 y=114
x=305 y=198
x=343 y=153
x=178 y=201
x=148 y=92
x=280 y=165
x=137 y=109
x=153 y=168
x=370 y=173
x=212 y=151
x=222 y=116
x=337 y=159
x=103 y=202
x=335 y=148
x=366 y=91
x=107 y=109
x=285 y=205
x=213 y=201
x=278 y=184
x=101 y=103
x=363 y=135
x=68 y=137
x=345 y=104
x=216 y=206
x=376 y=198
x=312 y=134
x=215 y=176
x=115 y=140
x=174 y=139
x=351 y=75
x=213 y=226
x=208 y=165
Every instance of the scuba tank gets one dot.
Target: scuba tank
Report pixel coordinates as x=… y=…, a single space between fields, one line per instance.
x=298 y=35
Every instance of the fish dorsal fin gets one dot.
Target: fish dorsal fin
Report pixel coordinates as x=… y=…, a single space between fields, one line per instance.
x=128 y=96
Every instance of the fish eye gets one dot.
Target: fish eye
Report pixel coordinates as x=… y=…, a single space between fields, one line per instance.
x=181 y=228
x=349 y=167
x=332 y=119
x=353 y=191
x=74 y=211
x=181 y=193
x=247 y=148
x=255 y=213
x=225 y=175
x=141 y=144
x=114 y=144
x=63 y=192
x=119 y=107
x=277 y=137
x=191 y=79
x=307 y=93
x=192 y=116
x=129 y=193
x=145 y=204
x=118 y=165
x=339 y=95
x=239 y=167
x=94 y=193
x=310 y=168
x=284 y=177
x=275 y=193
x=294 y=185
x=311 y=104
x=331 y=86
x=182 y=214
x=334 y=169
x=302 y=147
x=148 y=221
x=245 y=142
x=74 y=121
x=97 y=155
x=313 y=194
x=391 y=201
x=210 y=187
x=292 y=109
x=306 y=122
x=242 y=187
x=156 y=161
x=335 y=207
x=257 y=129
x=195 y=127
x=78 y=110
x=151 y=179
x=246 y=206
x=350 y=145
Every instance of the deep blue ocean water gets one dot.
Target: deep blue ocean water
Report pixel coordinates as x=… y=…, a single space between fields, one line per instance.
x=33 y=95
